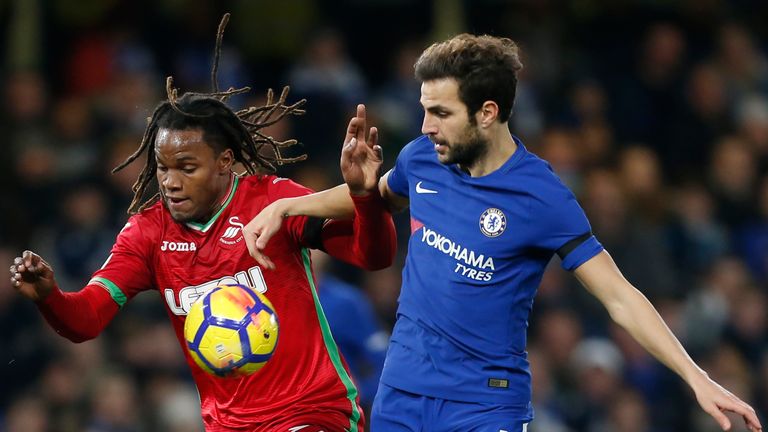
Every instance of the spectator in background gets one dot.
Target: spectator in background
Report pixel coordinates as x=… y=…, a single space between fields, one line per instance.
x=638 y=247
x=652 y=93
x=708 y=307
x=696 y=239
x=26 y=414
x=331 y=82
x=739 y=60
x=704 y=117
x=597 y=366
x=752 y=238
x=752 y=124
x=114 y=405
x=396 y=101
x=732 y=179
x=640 y=175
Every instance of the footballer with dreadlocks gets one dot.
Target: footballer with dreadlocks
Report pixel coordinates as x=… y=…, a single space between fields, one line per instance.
x=185 y=239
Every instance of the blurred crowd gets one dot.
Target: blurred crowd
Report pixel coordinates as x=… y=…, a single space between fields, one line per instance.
x=654 y=113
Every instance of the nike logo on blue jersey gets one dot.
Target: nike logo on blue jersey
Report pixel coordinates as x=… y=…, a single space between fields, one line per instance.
x=422 y=190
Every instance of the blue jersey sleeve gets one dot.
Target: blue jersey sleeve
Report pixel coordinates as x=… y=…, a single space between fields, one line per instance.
x=398 y=176
x=559 y=223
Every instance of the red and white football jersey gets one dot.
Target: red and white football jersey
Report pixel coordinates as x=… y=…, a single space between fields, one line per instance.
x=306 y=377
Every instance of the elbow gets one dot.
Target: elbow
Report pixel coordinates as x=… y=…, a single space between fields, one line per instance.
x=78 y=336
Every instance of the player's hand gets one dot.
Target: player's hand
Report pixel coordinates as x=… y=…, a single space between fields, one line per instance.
x=32 y=277
x=361 y=156
x=260 y=229
x=716 y=400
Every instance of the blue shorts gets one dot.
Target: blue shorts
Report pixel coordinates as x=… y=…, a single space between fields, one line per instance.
x=400 y=411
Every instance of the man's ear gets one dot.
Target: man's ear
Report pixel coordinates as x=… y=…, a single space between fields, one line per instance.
x=225 y=161
x=488 y=114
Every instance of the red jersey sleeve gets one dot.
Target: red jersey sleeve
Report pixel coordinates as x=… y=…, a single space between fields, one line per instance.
x=128 y=269
x=82 y=315
x=369 y=240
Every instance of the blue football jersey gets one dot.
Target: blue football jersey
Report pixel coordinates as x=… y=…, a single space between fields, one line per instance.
x=476 y=256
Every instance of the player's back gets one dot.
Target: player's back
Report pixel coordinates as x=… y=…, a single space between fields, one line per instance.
x=306 y=374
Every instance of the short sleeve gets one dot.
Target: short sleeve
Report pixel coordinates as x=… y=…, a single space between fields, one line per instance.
x=127 y=271
x=398 y=176
x=558 y=220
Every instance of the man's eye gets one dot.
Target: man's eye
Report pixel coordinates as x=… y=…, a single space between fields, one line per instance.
x=189 y=170
x=162 y=169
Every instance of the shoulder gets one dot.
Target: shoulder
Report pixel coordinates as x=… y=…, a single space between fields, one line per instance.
x=541 y=180
x=281 y=187
x=419 y=147
x=150 y=219
x=271 y=186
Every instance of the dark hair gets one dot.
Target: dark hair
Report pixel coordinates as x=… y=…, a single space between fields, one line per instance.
x=222 y=128
x=485 y=68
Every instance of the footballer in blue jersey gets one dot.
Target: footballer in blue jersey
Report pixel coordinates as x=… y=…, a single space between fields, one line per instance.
x=471 y=275
x=486 y=217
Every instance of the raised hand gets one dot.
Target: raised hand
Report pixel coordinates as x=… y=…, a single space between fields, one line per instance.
x=32 y=277
x=361 y=156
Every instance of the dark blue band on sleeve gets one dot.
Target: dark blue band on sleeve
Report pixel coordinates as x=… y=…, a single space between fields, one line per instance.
x=582 y=253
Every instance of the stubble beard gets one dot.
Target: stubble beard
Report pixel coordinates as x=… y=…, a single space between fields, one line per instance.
x=466 y=153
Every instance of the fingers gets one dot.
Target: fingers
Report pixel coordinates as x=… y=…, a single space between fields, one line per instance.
x=748 y=414
x=32 y=261
x=736 y=405
x=363 y=123
x=357 y=126
x=719 y=417
x=15 y=275
x=373 y=137
x=256 y=243
x=262 y=259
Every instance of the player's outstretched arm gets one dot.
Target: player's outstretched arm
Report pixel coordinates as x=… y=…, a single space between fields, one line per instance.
x=632 y=310
x=77 y=316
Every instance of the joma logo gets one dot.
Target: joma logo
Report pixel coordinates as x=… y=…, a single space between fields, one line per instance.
x=178 y=246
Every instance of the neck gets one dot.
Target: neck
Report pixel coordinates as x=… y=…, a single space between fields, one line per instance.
x=501 y=146
x=222 y=199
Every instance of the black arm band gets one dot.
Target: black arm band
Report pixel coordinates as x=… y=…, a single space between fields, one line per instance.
x=573 y=244
x=313 y=230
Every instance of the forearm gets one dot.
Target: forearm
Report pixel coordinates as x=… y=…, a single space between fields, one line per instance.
x=636 y=315
x=334 y=203
x=79 y=316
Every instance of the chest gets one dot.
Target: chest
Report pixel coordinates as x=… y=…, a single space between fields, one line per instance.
x=449 y=213
x=190 y=262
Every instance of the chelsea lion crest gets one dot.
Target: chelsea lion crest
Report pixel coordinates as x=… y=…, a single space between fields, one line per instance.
x=493 y=222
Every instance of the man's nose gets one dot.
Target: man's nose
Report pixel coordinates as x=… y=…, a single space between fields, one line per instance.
x=171 y=181
x=428 y=126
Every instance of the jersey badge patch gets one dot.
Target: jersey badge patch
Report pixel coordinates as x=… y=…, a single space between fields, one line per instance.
x=233 y=234
x=493 y=222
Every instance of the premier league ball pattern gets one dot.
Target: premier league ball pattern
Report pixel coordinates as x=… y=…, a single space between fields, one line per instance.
x=231 y=331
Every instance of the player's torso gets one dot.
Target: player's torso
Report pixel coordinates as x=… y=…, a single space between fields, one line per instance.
x=468 y=284
x=470 y=246
x=192 y=259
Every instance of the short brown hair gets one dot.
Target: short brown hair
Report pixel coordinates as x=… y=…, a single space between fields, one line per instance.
x=485 y=67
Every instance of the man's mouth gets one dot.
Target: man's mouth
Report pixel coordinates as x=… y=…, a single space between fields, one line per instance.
x=175 y=202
